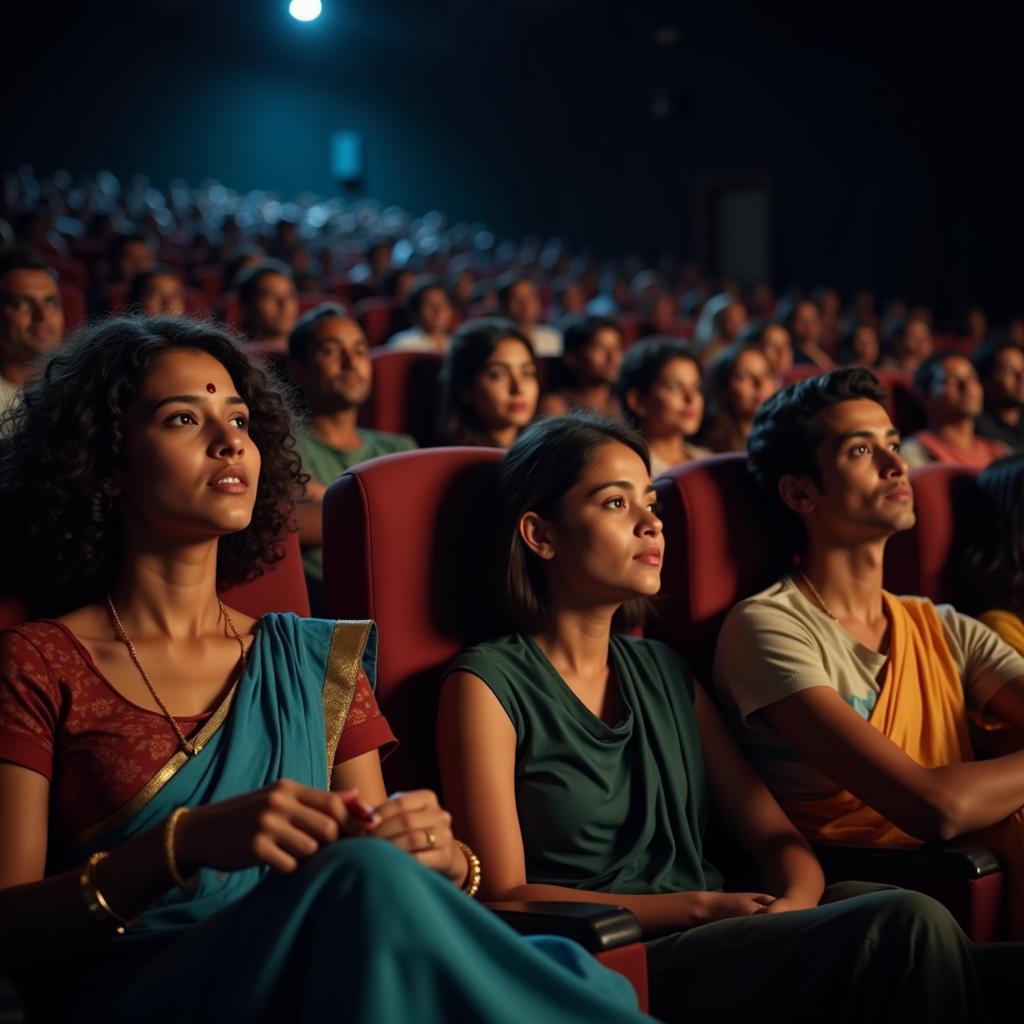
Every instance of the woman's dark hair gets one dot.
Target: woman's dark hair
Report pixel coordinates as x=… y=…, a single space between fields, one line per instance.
x=642 y=365
x=140 y=282
x=786 y=434
x=60 y=463
x=992 y=566
x=545 y=462
x=471 y=346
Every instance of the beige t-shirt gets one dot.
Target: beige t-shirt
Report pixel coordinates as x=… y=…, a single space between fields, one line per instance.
x=777 y=643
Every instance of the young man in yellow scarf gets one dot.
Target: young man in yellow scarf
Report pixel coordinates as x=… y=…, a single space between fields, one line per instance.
x=852 y=701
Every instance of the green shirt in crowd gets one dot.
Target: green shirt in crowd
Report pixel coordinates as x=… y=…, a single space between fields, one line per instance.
x=325 y=464
x=612 y=808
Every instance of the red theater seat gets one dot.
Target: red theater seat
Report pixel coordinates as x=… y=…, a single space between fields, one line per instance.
x=405 y=394
x=380 y=318
x=73 y=300
x=719 y=548
x=281 y=589
x=407 y=539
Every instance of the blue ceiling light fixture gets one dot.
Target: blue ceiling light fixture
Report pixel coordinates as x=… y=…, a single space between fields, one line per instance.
x=305 y=10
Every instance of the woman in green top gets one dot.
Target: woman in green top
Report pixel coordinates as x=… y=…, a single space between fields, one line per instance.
x=582 y=765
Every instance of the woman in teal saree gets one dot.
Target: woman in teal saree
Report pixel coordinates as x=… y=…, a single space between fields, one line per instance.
x=174 y=775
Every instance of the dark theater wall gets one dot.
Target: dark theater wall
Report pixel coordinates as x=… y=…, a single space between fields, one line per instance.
x=888 y=138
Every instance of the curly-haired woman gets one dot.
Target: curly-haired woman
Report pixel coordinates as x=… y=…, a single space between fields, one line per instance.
x=174 y=773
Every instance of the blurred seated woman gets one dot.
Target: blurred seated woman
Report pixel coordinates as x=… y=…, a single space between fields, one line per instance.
x=592 y=355
x=660 y=390
x=156 y=292
x=489 y=384
x=738 y=381
x=174 y=773
x=910 y=346
x=585 y=763
x=859 y=346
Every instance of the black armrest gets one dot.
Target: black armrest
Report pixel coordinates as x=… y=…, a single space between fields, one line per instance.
x=12 y=1008
x=595 y=926
x=931 y=861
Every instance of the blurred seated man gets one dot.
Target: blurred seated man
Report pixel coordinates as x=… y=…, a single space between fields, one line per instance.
x=269 y=306
x=31 y=318
x=592 y=355
x=950 y=392
x=519 y=301
x=156 y=292
x=431 y=313
x=853 y=702
x=805 y=330
x=330 y=359
x=130 y=254
x=859 y=346
x=1000 y=367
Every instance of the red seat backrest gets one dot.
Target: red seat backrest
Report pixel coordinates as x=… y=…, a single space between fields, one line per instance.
x=380 y=318
x=408 y=540
x=924 y=560
x=73 y=299
x=405 y=394
x=281 y=589
x=719 y=548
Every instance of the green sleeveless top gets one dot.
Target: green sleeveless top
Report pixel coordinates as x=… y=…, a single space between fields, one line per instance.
x=615 y=808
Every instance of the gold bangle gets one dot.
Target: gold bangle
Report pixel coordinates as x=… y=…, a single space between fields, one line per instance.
x=172 y=864
x=471 y=886
x=94 y=900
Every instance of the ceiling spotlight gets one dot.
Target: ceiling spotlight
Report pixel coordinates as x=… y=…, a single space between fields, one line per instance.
x=305 y=10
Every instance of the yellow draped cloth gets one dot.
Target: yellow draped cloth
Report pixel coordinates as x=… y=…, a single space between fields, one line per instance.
x=922 y=709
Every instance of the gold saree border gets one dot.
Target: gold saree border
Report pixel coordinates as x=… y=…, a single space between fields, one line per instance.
x=344 y=659
x=177 y=760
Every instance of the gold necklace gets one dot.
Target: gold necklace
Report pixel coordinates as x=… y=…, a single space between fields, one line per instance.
x=814 y=593
x=190 y=748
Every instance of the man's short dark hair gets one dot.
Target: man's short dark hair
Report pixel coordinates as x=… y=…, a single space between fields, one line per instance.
x=986 y=354
x=578 y=331
x=249 y=281
x=787 y=433
x=302 y=335
x=24 y=259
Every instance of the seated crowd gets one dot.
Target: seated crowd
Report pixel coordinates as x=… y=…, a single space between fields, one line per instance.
x=171 y=815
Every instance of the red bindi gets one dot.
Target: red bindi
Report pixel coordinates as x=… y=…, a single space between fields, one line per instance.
x=211 y=388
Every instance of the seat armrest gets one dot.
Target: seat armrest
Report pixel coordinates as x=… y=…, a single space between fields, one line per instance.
x=953 y=860
x=595 y=926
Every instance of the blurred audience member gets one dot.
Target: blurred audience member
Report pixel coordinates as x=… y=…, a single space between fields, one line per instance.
x=431 y=313
x=489 y=383
x=830 y=307
x=976 y=325
x=130 y=255
x=156 y=292
x=951 y=394
x=331 y=363
x=31 y=318
x=660 y=391
x=269 y=306
x=570 y=298
x=719 y=325
x=1000 y=368
x=592 y=354
x=773 y=340
x=738 y=381
x=859 y=346
x=804 y=326
x=910 y=346
x=519 y=301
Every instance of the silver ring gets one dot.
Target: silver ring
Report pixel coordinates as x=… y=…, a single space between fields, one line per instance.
x=431 y=839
